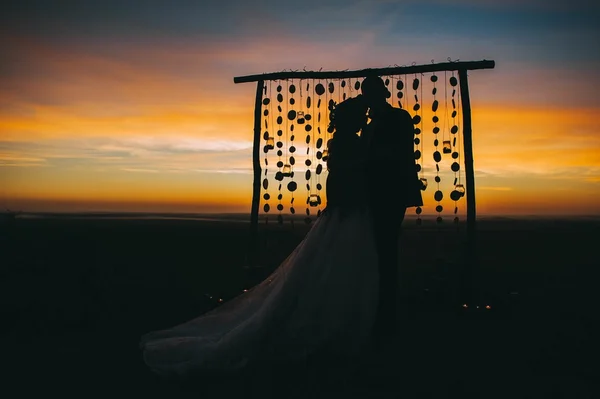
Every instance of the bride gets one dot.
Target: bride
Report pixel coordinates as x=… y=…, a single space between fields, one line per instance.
x=321 y=299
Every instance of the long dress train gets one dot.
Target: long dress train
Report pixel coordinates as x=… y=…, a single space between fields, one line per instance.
x=323 y=295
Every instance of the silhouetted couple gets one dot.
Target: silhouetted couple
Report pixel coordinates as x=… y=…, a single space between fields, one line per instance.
x=337 y=291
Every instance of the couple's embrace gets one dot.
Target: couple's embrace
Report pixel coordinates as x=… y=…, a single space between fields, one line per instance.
x=336 y=292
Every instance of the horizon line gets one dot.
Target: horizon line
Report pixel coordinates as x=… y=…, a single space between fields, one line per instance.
x=274 y=215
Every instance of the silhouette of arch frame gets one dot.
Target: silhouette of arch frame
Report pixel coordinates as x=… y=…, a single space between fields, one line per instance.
x=462 y=67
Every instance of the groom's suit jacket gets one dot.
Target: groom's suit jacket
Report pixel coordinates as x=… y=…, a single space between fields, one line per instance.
x=391 y=173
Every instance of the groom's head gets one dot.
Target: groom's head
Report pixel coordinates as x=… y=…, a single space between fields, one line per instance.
x=374 y=91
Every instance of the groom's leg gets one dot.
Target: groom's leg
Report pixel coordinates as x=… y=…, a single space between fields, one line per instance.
x=389 y=280
x=394 y=264
x=387 y=235
x=378 y=236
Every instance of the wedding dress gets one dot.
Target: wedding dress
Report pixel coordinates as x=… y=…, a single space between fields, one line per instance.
x=323 y=296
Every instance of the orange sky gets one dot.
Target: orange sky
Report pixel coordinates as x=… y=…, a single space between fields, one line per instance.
x=127 y=120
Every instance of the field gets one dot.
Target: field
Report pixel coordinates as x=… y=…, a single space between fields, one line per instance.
x=77 y=293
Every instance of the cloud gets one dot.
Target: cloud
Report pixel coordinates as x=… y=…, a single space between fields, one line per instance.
x=487 y=188
x=18 y=160
x=245 y=171
x=137 y=170
x=527 y=4
x=130 y=154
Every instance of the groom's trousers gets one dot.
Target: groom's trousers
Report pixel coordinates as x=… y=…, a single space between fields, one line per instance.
x=386 y=229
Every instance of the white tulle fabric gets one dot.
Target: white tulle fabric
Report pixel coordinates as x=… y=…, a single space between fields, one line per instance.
x=324 y=295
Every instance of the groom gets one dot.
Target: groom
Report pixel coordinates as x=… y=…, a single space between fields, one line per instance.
x=393 y=185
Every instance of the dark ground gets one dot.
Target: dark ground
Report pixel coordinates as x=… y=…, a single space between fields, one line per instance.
x=77 y=294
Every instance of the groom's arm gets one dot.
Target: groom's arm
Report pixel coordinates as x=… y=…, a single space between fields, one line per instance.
x=403 y=131
x=390 y=139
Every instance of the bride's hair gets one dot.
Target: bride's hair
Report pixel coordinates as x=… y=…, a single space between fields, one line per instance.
x=348 y=116
x=346 y=119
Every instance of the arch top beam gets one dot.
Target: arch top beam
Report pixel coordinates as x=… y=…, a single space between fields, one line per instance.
x=396 y=70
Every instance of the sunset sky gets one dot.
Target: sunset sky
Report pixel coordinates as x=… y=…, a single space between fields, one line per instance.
x=131 y=106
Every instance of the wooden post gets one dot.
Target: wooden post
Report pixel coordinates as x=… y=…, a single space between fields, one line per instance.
x=471 y=250
x=253 y=252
